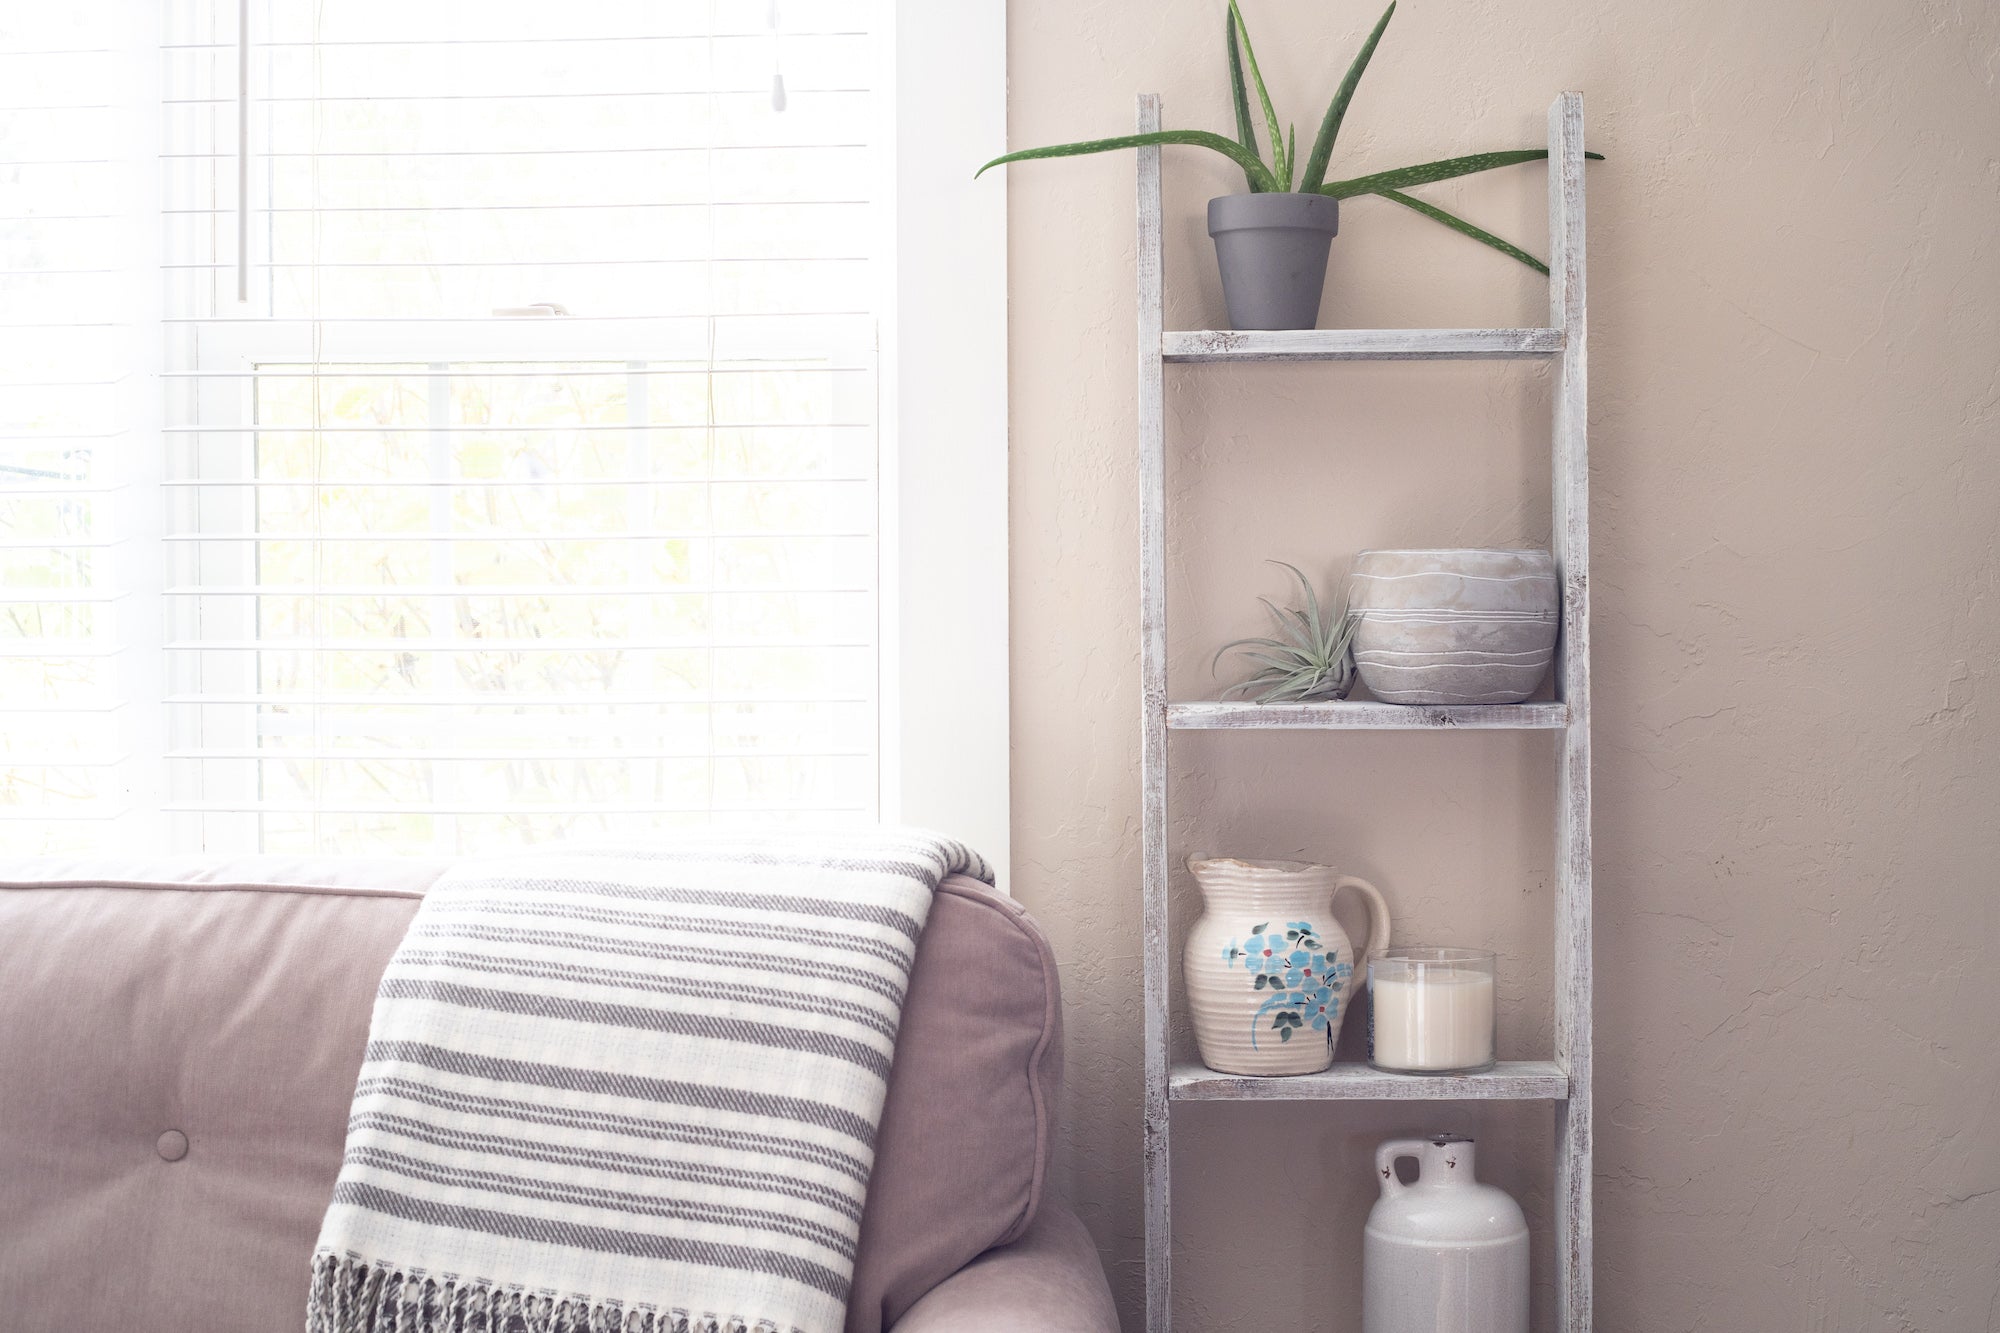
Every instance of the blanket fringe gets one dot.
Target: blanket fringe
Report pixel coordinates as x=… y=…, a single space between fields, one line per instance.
x=352 y=1295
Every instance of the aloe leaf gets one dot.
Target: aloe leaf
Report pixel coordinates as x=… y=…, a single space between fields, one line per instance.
x=1259 y=174
x=1336 y=111
x=1402 y=178
x=1459 y=224
x=1280 y=169
x=1291 y=153
x=1246 y=134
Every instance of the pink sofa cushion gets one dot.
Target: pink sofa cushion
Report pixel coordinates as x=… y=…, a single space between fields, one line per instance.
x=966 y=1132
x=179 y=1041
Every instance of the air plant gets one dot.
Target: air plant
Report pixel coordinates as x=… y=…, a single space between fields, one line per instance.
x=1310 y=659
x=1284 y=173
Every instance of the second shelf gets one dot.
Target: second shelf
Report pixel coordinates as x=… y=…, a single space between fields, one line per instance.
x=1200 y=345
x=1226 y=715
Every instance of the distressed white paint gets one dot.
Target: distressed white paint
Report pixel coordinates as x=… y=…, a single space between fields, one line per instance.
x=1199 y=345
x=1566 y=1080
x=1214 y=715
x=1509 y=1080
x=1153 y=729
x=1571 y=466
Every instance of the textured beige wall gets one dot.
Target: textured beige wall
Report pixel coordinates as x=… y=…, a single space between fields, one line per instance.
x=1795 y=319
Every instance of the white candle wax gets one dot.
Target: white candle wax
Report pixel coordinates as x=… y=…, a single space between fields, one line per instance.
x=1440 y=1018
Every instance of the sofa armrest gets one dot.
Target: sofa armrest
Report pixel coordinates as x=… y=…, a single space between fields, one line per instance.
x=1049 y=1281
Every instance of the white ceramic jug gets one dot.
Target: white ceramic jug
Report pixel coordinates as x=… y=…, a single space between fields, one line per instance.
x=1445 y=1254
x=1269 y=972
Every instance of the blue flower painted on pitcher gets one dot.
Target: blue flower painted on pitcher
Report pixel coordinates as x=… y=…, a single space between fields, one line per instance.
x=1259 y=954
x=1304 y=976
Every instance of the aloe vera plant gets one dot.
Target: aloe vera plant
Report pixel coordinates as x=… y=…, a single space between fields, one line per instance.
x=1310 y=657
x=1284 y=173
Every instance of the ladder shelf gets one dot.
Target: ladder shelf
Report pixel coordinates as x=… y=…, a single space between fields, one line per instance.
x=1564 y=1081
x=1228 y=715
x=1196 y=346
x=1509 y=1080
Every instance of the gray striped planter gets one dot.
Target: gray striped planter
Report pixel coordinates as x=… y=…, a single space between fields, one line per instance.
x=1454 y=626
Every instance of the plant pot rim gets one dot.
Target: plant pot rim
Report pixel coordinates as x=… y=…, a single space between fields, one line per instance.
x=1276 y=210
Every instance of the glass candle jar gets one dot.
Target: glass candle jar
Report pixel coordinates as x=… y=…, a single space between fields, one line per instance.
x=1433 y=1011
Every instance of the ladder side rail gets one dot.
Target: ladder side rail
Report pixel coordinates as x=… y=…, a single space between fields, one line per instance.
x=1153 y=729
x=1571 y=513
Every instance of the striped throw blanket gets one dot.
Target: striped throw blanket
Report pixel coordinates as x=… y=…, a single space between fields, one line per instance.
x=629 y=1090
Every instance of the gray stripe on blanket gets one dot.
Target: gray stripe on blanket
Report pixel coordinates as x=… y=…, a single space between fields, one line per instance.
x=658 y=1168
x=692 y=925
x=672 y=953
x=639 y=1017
x=637 y=1087
x=584 y=1196
x=629 y=1126
x=605 y=1240
x=651 y=982
x=828 y=908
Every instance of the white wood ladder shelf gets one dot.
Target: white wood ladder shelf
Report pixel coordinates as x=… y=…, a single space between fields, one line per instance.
x=1508 y=1080
x=1564 y=1080
x=1215 y=345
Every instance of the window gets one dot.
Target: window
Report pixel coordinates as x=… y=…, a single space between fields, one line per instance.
x=519 y=449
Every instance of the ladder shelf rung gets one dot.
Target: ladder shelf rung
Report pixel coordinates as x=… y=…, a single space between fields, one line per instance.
x=1199 y=345
x=1509 y=1080
x=1229 y=715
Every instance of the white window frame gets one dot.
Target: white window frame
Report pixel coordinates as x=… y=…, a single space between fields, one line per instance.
x=944 y=430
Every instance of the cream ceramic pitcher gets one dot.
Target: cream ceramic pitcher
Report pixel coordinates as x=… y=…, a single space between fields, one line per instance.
x=1269 y=972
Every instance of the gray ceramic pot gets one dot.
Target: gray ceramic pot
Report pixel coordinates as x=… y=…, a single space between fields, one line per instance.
x=1272 y=250
x=1454 y=627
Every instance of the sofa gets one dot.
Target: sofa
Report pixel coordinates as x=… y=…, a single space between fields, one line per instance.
x=179 y=1041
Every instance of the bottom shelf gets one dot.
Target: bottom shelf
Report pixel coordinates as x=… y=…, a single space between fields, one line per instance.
x=1509 y=1080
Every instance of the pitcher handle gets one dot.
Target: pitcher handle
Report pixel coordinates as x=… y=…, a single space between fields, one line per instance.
x=1378 y=924
x=1386 y=1157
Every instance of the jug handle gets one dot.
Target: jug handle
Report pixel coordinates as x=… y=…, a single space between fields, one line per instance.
x=1378 y=925
x=1386 y=1157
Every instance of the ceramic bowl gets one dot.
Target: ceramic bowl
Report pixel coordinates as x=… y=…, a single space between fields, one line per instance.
x=1454 y=626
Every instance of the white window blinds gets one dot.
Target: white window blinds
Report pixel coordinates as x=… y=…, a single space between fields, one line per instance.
x=534 y=487
x=73 y=227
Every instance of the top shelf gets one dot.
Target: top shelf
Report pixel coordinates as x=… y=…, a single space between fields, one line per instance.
x=1200 y=345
